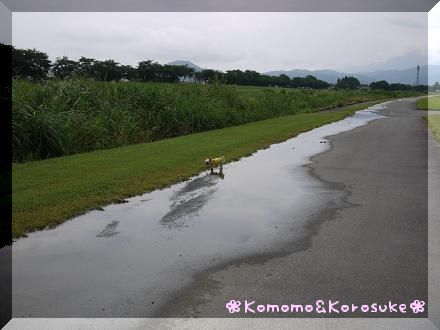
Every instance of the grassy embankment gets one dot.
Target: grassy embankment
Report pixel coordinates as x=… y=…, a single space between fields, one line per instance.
x=58 y=118
x=47 y=192
x=431 y=103
x=434 y=123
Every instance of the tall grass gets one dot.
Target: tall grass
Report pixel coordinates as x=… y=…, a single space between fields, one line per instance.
x=62 y=117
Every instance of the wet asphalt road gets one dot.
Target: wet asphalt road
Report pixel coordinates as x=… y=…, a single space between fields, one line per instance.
x=371 y=250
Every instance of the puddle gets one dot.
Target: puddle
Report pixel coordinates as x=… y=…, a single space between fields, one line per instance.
x=109 y=230
x=127 y=259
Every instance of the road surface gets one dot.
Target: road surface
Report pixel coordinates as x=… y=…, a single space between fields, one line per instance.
x=372 y=250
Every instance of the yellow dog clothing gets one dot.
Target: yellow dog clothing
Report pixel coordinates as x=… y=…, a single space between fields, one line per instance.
x=215 y=162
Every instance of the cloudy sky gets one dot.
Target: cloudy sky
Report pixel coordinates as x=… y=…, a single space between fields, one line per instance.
x=434 y=35
x=257 y=41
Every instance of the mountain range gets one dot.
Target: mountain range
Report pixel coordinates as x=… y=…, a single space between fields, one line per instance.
x=402 y=62
x=405 y=76
x=428 y=74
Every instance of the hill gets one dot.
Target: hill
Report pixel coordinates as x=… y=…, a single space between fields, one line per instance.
x=187 y=63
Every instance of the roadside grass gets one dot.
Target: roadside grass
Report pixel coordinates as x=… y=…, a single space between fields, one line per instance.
x=434 y=123
x=57 y=118
x=48 y=192
x=429 y=103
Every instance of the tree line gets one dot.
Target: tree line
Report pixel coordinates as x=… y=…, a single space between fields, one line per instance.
x=384 y=85
x=34 y=64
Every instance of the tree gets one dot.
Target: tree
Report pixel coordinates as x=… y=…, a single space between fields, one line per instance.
x=399 y=87
x=187 y=72
x=283 y=80
x=313 y=82
x=421 y=88
x=29 y=63
x=348 y=82
x=173 y=73
x=86 y=67
x=107 y=70
x=182 y=71
x=64 y=68
x=382 y=84
x=148 y=70
x=128 y=72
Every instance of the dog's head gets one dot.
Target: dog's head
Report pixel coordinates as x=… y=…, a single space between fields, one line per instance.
x=207 y=161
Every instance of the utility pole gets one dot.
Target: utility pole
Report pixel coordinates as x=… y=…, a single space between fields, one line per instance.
x=418 y=74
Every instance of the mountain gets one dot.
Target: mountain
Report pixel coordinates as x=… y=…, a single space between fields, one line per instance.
x=329 y=76
x=188 y=63
x=406 y=76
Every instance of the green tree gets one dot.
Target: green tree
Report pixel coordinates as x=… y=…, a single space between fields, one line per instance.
x=86 y=67
x=29 y=63
x=208 y=76
x=283 y=81
x=185 y=71
x=128 y=72
x=421 y=88
x=399 y=87
x=64 y=67
x=107 y=70
x=382 y=84
x=148 y=70
x=348 y=82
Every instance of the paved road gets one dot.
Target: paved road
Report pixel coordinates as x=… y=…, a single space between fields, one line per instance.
x=371 y=251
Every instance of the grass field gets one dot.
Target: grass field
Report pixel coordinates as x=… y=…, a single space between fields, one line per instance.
x=65 y=117
x=429 y=103
x=434 y=123
x=47 y=192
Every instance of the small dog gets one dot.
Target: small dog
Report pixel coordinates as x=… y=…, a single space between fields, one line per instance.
x=215 y=162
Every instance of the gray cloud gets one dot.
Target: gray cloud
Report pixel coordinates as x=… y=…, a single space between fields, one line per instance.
x=259 y=41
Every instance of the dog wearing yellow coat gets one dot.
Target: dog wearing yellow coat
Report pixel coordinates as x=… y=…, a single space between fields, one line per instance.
x=215 y=162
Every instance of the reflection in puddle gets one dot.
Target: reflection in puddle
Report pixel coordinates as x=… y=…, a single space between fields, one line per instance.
x=109 y=230
x=188 y=201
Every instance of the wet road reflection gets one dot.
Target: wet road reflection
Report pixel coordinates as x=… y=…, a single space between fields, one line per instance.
x=187 y=201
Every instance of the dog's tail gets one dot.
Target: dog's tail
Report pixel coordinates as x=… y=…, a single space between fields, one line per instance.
x=223 y=159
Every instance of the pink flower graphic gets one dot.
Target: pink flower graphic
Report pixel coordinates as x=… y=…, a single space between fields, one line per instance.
x=233 y=306
x=417 y=306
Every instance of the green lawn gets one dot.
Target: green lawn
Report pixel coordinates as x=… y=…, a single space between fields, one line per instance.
x=47 y=192
x=429 y=103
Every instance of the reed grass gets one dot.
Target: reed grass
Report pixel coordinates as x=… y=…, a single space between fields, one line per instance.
x=64 y=117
